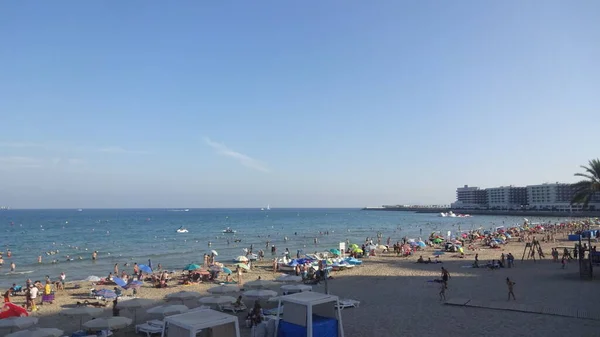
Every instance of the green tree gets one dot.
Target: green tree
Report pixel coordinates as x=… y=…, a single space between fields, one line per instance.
x=584 y=190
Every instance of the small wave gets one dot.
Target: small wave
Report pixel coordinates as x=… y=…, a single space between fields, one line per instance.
x=19 y=272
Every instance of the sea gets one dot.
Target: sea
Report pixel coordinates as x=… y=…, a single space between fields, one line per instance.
x=137 y=235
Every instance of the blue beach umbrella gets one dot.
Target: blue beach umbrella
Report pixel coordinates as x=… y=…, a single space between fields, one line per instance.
x=133 y=285
x=119 y=281
x=106 y=293
x=145 y=268
x=334 y=251
x=226 y=270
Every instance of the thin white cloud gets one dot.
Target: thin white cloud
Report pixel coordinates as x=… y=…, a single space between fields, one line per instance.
x=120 y=150
x=20 y=144
x=75 y=161
x=243 y=159
x=14 y=162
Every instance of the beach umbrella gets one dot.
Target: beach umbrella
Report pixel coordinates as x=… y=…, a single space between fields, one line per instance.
x=288 y=278
x=119 y=281
x=382 y=247
x=135 y=304
x=37 y=332
x=259 y=284
x=92 y=278
x=81 y=312
x=358 y=250
x=241 y=259
x=192 y=266
x=242 y=265
x=216 y=300
x=223 y=289
x=106 y=293
x=296 y=288
x=146 y=269
x=108 y=323
x=260 y=293
x=168 y=309
x=334 y=251
x=183 y=295
x=17 y=322
x=133 y=285
x=438 y=240
x=226 y=270
x=273 y=299
x=214 y=252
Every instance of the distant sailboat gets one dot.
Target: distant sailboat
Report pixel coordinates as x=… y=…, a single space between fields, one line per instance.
x=268 y=207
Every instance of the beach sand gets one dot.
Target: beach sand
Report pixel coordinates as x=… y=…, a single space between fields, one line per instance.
x=396 y=299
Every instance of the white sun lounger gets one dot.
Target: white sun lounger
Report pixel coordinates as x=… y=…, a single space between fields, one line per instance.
x=150 y=327
x=232 y=307
x=348 y=303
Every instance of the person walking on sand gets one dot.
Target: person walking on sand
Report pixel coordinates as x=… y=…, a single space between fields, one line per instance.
x=442 y=292
x=239 y=275
x=510 y=285
x=445 y=277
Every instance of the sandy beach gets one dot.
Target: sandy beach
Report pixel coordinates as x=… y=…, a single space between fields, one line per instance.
x=396 y=298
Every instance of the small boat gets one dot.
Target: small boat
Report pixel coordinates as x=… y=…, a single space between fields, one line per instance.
x=229 y=231
x=182 y=230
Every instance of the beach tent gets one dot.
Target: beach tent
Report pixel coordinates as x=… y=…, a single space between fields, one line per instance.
x=310 y=314
x=191 y=323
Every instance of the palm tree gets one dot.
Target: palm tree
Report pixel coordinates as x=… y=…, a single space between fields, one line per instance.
x=584 y=190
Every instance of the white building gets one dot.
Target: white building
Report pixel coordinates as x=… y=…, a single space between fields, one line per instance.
x=506 y=197
x=556 y=197
x=470 y=198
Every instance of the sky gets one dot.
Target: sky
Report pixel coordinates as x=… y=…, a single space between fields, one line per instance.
x=291 y=103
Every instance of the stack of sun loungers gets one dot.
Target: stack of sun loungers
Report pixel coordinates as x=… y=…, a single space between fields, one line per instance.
x=232 y=307
x=150 y=327
x=348 y=303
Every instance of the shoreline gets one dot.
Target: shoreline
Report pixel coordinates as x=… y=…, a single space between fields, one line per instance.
x=384 y=279
x=530 y=213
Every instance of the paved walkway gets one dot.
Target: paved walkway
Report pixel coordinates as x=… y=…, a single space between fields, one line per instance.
x=516 y=306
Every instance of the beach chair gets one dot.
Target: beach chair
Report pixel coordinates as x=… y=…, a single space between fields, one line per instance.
x=17 y=290
x=150 y=327
x=272 y=312
x=232 y=307
x=348 y=303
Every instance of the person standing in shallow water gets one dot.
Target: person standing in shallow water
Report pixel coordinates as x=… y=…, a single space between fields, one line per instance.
x=510 y=285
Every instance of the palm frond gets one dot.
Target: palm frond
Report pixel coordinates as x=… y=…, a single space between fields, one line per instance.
x=584 y=190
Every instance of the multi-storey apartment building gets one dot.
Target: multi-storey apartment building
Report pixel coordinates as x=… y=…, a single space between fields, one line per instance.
x=470 y=198
x=506 y=197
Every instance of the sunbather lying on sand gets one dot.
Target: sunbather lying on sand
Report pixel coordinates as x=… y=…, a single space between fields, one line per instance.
x=94 y=304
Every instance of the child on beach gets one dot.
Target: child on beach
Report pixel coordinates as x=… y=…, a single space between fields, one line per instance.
x=510 y=285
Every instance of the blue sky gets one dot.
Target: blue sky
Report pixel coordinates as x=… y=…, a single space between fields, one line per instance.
x=292 y=103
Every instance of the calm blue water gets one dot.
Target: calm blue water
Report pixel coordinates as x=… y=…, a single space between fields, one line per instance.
x=138 y=235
